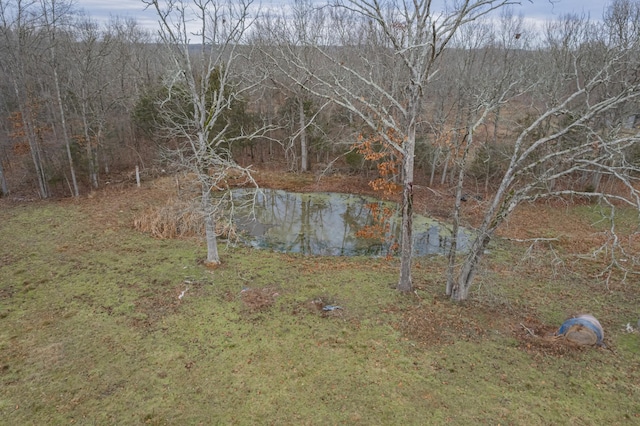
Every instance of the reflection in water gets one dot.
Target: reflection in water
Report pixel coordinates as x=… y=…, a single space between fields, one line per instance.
x=327 y=223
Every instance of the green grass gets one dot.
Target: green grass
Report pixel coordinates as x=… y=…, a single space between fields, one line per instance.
x=92 y=332
x=626 y=220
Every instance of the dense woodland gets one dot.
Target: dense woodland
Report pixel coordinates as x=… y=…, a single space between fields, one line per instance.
x=473 y=98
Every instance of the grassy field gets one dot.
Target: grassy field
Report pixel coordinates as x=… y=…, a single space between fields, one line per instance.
x=93 y=330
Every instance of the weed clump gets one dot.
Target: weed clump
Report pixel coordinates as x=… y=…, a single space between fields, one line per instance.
x=179 y=219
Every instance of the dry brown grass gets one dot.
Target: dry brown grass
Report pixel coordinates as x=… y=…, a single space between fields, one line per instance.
x=175 y=219
x=178 y=219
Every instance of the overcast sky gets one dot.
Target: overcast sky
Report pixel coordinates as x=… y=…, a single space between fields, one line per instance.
x=533 y=11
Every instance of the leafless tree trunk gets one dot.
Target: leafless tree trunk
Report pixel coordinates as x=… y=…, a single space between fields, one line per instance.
x=396 y=46
x=200 y=89
x=487 y=79
x=3 y=181
x=21 y=41
x=301 y=27
x=594 y=87
x=90 y=142
x=53 y=11
x=91 y=55
x=304 y=150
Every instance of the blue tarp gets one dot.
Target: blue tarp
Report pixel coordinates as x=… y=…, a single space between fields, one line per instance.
x=586 y=321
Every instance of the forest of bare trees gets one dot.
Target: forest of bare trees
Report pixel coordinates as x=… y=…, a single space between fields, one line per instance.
x=471 y=97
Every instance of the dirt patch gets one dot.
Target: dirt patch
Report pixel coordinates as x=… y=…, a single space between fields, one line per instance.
x=538 y=338
x=441 y=323
x=307 y=182
x=6 y=292
x=258 y=299
x=163 y=300
x=8 y=259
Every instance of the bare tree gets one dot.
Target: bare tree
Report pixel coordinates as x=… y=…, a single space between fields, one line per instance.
x=4 y=186
x=135 y=67
x=297 y=26
x=4 y=135
x=379 y=58
x=486 y=78
x=200 y=89
x=21 y=44
x=91 y=55
x=53 y=12
x=587 y=84
x=3 y=182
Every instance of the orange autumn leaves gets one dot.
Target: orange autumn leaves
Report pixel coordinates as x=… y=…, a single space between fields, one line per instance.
x=387 y=160
x=378 y=150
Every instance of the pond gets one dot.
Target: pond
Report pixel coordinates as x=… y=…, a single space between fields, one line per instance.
x=333 y=224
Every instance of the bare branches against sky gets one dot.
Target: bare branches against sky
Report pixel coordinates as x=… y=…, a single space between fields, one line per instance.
x=533 y=11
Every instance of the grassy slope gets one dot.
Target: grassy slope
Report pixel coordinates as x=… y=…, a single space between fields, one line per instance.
x=92 y=331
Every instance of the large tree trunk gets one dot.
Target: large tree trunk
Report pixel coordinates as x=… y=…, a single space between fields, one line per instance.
x=459 y=291
x=452 y=256
x=406 y=244
x=65 y=133
x=91 y=158
x=213 y=258
x=36 y=152
x=304 y=150
x=3 y=182
x=445 y=166
x=30 y=135
x=50 y=13
x=434 y=163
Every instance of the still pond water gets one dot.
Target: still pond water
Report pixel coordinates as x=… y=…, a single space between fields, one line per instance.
x=327 y=224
